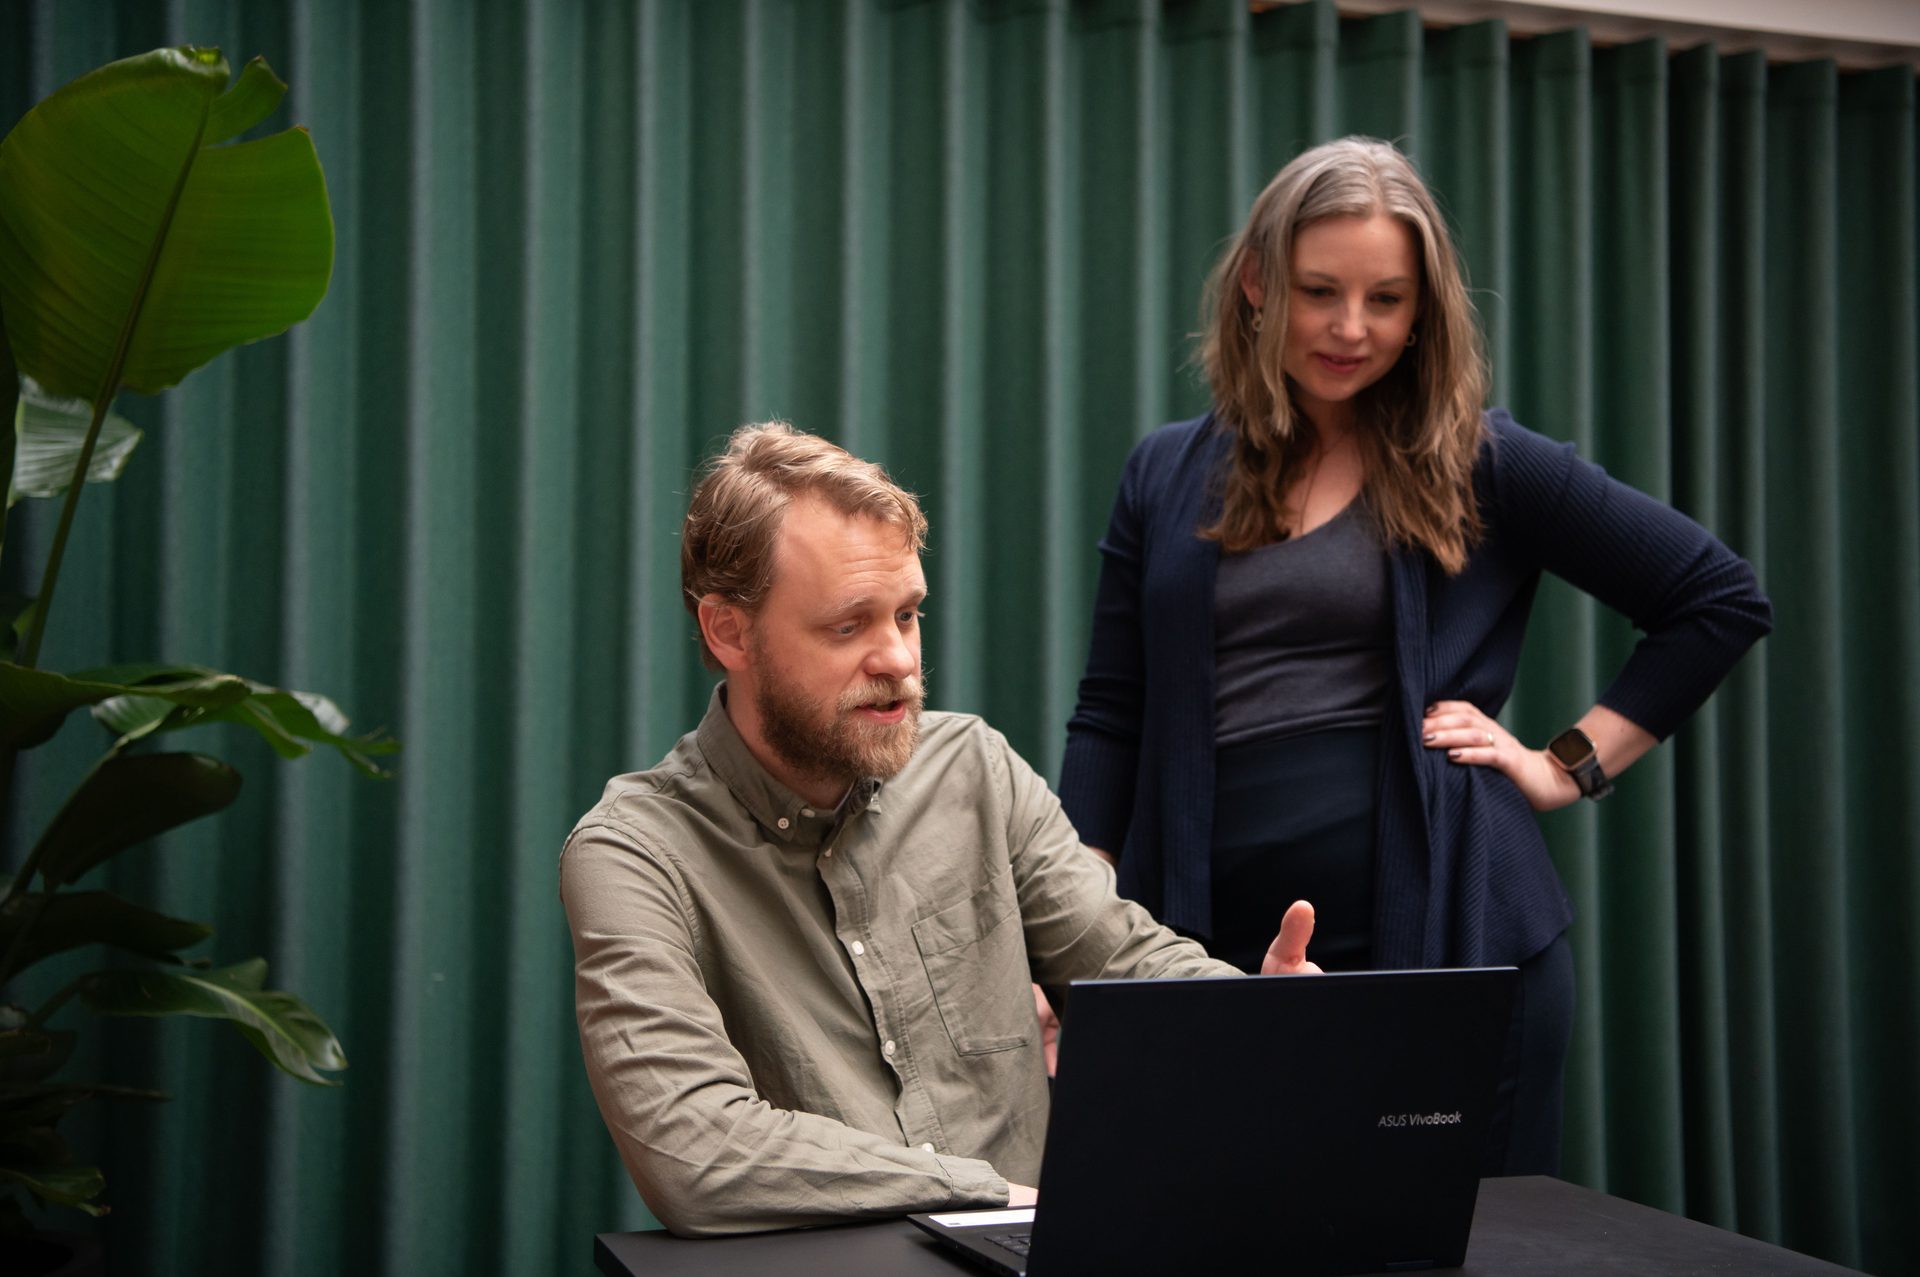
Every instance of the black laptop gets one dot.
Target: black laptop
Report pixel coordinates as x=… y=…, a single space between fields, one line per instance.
x=1284 y=1124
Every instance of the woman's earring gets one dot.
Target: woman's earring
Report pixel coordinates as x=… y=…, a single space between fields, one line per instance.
x=1413 y=337
x=1259 y=321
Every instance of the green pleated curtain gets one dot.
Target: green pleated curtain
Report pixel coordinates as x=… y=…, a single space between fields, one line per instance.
x=579 y=241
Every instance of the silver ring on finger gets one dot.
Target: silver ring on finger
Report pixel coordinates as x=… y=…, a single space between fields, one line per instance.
x=1489 y=740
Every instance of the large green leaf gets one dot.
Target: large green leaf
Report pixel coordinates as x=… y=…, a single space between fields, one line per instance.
x=71 y=919
x=281 y=1026
x=74 y=1186
x=49 y=434
x=126 y=800
x=124 y=226
x=37 y=1156
x=33 y=703
x=291 y=722
x=134 y=701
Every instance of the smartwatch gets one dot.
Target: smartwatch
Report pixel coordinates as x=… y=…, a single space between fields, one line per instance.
x=1573 y=749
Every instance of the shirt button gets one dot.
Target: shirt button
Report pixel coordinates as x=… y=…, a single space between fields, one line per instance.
x=782 y=822
x=886 y=1048
x=926 y=1148
x=858 y=948
x=806 y=811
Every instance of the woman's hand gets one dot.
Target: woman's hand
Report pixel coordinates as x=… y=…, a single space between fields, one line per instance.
x=1475 y=740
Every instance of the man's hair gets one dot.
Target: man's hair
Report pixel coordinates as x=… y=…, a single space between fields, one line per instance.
x=726 y=544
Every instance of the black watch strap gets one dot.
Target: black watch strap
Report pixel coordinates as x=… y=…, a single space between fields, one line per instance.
x=1573 y=749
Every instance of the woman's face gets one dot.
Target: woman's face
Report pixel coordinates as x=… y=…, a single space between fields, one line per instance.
x=1353 y=296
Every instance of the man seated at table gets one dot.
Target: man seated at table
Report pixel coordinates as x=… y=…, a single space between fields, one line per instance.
x=803 y=942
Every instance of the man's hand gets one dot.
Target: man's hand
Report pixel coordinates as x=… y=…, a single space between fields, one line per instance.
x=1021 y=1195
x=1049 y=1028
x=1287 y=955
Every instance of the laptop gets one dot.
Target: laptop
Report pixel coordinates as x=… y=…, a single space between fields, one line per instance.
x=1310 y=1124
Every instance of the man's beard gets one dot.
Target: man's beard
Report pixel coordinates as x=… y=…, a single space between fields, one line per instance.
x=833 y=743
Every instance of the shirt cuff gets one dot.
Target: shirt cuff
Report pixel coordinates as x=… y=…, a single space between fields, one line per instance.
x=975 y=1183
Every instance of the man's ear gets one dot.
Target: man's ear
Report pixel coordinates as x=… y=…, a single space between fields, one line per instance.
x=1251 y=285
x=724 y=625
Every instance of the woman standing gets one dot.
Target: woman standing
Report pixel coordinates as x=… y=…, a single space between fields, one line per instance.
x=1311 y=607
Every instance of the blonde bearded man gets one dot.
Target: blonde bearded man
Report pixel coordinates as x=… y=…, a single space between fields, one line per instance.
x=804 y=941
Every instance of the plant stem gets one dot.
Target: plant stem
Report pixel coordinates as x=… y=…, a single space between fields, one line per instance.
x=30 y=650
x=102 y=400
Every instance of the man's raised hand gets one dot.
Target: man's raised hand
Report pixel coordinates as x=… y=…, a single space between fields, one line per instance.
x=1287 y=955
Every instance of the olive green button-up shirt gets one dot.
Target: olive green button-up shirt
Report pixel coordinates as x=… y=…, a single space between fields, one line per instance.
x=792 y=1015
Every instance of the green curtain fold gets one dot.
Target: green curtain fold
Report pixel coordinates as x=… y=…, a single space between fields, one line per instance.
x=580 y=240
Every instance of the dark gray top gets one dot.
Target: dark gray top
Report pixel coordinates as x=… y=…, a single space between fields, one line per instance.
x=1303 y=633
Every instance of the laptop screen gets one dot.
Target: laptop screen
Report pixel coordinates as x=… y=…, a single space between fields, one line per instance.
x=1333 y=1122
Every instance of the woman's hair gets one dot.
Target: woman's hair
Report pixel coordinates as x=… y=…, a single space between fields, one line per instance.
x=1421 y=422
x=726 y=543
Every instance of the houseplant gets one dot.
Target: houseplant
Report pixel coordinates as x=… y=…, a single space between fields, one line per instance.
x=138 y=241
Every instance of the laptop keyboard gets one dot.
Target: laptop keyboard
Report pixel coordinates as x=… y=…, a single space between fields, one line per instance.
x=1018 y=1243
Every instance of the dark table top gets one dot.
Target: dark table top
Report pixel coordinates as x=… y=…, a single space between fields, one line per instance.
x=1531 y=1226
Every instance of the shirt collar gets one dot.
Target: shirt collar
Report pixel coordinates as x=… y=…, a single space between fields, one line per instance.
x=785 y=816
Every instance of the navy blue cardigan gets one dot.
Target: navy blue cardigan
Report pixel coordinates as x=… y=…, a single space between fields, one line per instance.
x=1462 y=875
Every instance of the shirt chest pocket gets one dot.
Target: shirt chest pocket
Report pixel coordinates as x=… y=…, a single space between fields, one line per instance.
x=975 y=955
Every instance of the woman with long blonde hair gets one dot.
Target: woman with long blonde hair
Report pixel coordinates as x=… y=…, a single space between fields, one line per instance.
x=1310 y=610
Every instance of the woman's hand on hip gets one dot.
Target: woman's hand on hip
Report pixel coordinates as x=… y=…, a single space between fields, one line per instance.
x=1473 y=739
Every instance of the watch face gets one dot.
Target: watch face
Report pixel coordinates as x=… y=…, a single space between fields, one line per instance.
x=1571 y=748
